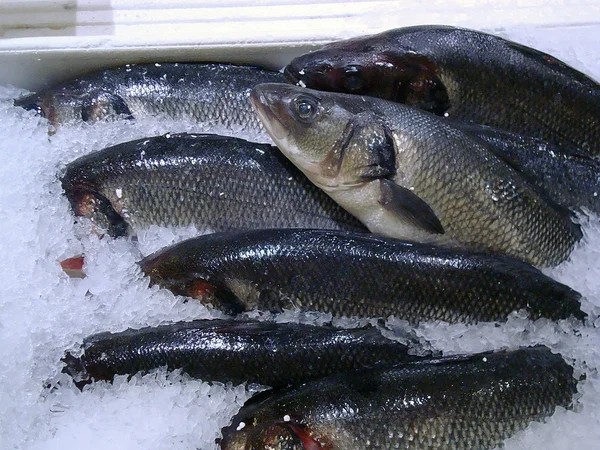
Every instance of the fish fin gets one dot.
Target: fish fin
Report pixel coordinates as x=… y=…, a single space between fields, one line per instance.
x=105 y=105
x=408 y=206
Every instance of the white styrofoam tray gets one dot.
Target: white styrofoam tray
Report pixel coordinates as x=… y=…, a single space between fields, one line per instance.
x=42 y=42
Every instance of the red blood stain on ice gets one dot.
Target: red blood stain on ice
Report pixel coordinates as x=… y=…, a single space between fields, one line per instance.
x=73 y=266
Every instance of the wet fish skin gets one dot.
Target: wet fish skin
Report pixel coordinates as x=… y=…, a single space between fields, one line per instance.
x=409 y=174
x=458 y=403
x=354 y=274
x=466 y=75
x=214 y=95
x=215 y=183
x=272 y=354
x=569 y=177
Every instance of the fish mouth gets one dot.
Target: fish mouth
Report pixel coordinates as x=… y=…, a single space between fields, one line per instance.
x=291 y=74
x=264 y=101
x=31 y=106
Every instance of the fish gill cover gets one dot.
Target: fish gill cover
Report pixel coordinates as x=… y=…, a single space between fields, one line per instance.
x=43 y=312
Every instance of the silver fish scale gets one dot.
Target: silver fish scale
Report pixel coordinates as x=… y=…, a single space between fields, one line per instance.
x=212 y=95
x=479 y=200
x=458 y=403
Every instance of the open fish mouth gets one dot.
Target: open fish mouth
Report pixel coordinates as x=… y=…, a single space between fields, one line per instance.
x=264 y=107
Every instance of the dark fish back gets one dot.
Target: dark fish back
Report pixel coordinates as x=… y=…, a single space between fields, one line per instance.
x=349 y=274
x=465 y=402
x=510 y=86
x=273 y=354
x=571 y=178
x=215 y=183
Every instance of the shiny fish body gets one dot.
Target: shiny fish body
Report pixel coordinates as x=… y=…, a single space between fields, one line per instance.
x=272 y=354
x=455 y=403
x=213 y=95
x=408 y=174
x=569 y=177
x=353 y=274
x=465 y=75
x=214 y=183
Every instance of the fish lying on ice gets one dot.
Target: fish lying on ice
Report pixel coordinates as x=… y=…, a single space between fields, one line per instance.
x=465 y=75
x=215 y=183
x=458 y=403
x=272 y=354
x=409 y=174
x=213 y=95
x=353 y=274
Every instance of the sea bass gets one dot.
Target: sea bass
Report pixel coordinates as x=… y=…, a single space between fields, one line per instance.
x=213 y=95
x=457 y=403
x=215 y=183
x=409 y=174
x=272 y=354
x=354 y=274
x=465 y=75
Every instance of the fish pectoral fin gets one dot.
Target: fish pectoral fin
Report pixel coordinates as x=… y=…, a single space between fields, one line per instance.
x=408 y=206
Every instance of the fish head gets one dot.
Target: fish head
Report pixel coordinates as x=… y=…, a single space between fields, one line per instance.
x=81 y=184
x=170 y=268
x=372 y=66
x=75 y=102
x=256 y=433
x=335 y=139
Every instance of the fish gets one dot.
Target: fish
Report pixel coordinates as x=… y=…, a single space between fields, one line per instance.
x=213 y=95
x=215 y=183
x=246 y=351
x=464 y=75
x=349 y=274
x=568 y=176
x=409 y=174
x=456 y=402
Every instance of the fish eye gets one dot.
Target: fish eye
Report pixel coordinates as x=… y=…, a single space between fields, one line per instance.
x=353 y=79
x=306 y=108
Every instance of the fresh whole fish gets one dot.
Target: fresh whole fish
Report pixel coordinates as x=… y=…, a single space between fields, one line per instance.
x=569 y=177
x=354 y=274
x=215 y=183
x=213 y=95
x=409 y=174
x=273 y=354
x=466 y=75
x=455 y=403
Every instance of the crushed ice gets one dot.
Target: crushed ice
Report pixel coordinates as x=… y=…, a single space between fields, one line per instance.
x=43 y=312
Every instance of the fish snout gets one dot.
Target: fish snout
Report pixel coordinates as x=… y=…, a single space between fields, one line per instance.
x=291 y=74
x=268 y=101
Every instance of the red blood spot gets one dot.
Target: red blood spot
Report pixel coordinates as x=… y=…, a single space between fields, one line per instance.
x=73 y=266
x=307 y=441
x=201 y=288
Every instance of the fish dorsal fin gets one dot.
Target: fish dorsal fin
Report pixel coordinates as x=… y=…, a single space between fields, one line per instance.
x=409 y=207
